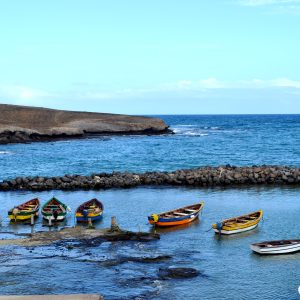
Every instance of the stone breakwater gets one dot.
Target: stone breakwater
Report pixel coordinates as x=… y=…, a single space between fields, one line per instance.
x=200 y=177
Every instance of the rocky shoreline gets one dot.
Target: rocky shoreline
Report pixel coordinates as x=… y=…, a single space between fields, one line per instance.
x=200 y=177
x=80 y=235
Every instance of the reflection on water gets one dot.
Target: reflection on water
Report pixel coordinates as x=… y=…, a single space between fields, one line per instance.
x=129 y=270
x=162 y=230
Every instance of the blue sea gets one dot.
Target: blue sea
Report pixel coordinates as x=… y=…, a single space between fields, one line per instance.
x=228 y=268
x=199 y=140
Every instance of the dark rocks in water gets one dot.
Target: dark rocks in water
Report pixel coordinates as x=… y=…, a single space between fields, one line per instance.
x=200 y=177
x=23 y=124
x=177 y=273
x=131 y=236
x=143 y=259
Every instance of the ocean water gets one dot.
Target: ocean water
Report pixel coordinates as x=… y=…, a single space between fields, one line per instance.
x=228 y=268
x=199 y=141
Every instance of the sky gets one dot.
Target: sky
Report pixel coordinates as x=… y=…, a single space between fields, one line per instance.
x=152 y=56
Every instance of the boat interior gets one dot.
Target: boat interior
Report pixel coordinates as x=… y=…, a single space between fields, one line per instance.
x=185 y=211
x=28 y=206
x=54 y=205
x=278 y=243
x=242 y=219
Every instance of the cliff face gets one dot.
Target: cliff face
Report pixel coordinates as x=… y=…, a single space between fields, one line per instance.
x=28 y=124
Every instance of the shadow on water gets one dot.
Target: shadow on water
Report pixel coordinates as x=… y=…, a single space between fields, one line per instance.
x=165 y=230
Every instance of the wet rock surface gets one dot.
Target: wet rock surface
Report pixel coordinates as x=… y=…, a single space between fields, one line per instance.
x=81 y=236
x=201 y=177
x=177 y=273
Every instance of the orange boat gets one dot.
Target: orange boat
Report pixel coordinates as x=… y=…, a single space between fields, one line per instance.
x=177 y=216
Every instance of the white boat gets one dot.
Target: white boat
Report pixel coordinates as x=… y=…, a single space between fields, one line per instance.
x=238 y=224
x=276 y=247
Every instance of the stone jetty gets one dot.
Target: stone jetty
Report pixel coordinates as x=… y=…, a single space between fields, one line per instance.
x=199 y=177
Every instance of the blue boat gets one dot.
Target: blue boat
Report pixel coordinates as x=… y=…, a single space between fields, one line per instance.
x=92 y=209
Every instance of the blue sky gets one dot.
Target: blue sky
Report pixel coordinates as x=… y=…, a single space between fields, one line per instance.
x=152 y=57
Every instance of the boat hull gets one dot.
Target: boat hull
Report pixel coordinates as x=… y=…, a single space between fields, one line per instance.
x=54 y=205
x=59 y=217
x=81 y=218
x=234 y=231
x=275 y=250
x=174 y=222
x=23 y=216
x=25 y=210
x=89 y=210
x=179 y=216
x=238 y=224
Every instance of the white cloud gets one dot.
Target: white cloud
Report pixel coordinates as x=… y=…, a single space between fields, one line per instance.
x=285 y=82
x=267 y=2
x=212 y=83
x=23 y=95
x=184 y=84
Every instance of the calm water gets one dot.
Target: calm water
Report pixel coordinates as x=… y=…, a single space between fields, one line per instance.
x=200 y=140
x=228 y=268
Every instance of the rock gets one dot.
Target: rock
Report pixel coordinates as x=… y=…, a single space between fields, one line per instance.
x=177 y=273
x=20 y=124
x=206 y=176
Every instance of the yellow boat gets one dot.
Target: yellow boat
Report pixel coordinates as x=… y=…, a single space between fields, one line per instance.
x=25 y=211
x=238 y=224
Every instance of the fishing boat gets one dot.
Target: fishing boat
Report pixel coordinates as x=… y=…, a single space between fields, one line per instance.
x=238 y=224
x=25 y=210
x=54 y=210
x=276 y=247
x=92 y=209
x=177 y=216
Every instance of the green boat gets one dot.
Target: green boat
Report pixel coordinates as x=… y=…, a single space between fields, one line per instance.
x=54 y=210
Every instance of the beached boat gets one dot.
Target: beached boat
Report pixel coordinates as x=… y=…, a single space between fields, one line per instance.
x=54 y=210
x=177 y=216
x=276 y=247
x=92 y=209
x=238 y=224
x=25 y=210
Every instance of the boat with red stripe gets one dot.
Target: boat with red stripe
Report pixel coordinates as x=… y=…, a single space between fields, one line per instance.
x=177 y=216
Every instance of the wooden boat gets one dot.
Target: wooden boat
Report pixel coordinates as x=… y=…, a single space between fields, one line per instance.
x=177 y=216
x=25 y=210
x=238 y=224
x=92 y=209
x=54 y=210
x=276 y=247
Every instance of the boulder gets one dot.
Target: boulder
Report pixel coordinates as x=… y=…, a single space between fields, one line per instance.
x=177 y=273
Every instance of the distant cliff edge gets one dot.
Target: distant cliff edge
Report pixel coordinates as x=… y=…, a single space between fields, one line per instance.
x=21 y=124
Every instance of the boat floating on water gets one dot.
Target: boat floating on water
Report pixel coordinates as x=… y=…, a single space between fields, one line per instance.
x=25 y=210
x=92 y=209
x=54 y=210
x=276 y=247
x=238 y=224
x=177 y=216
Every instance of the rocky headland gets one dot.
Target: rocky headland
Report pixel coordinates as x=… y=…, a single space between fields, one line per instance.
x=200 y=177
x=21 y=124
